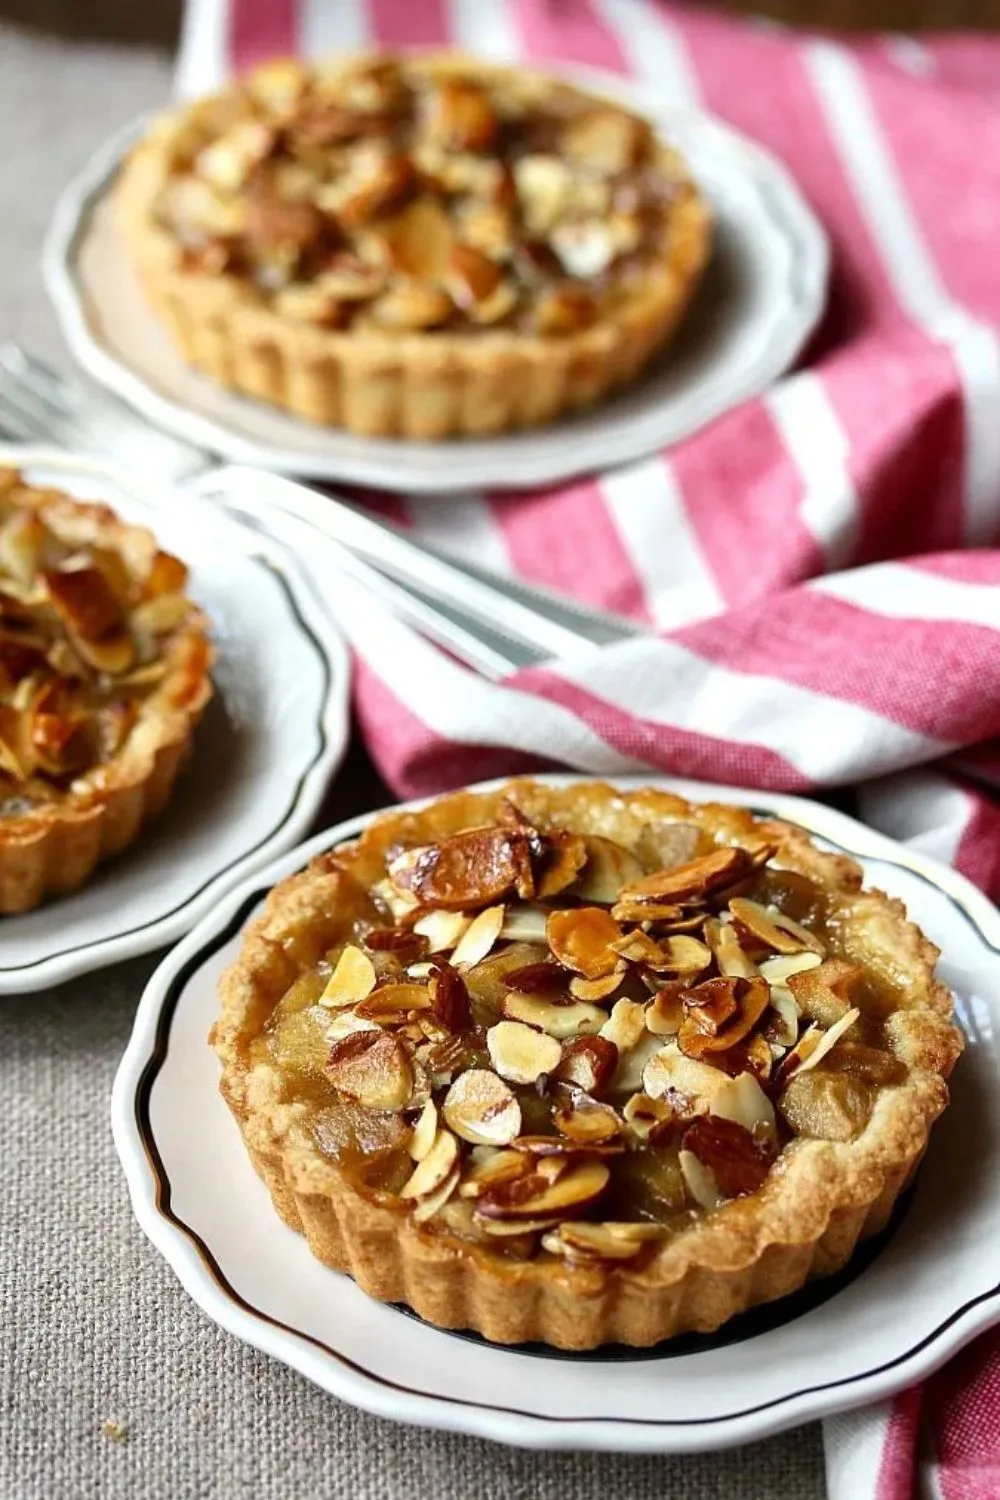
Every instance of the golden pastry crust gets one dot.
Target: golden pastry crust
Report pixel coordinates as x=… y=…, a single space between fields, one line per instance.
x=131 y=696
x=482 y=366
x=820 y=1197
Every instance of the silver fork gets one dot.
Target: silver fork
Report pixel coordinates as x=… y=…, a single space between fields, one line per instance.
x=38 y=405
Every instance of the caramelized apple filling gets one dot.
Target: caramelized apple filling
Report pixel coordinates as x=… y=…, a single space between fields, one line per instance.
x=555 y=1044
x=404 y=196
x=88 y=610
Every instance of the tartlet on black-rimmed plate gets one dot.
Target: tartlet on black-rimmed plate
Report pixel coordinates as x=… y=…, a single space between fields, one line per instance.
x=581 y=1066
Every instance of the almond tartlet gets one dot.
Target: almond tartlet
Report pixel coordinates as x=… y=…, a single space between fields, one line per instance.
x=104 y=673
x=581 y=1065
x=426 y=247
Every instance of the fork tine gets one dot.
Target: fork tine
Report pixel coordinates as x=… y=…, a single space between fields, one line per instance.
x=32 y=375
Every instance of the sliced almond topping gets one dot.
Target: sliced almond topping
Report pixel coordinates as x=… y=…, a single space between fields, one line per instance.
x=471 y=869
x=752 y=998
x=638 y=947
x=352 y=979
x=826 y=993
x=608 y=1241
x=584 y=1120
x=392 y=1004
x=731 y=960
x=814 y=1046
x=424 y=1131
x=371 y=1067
x=783 y=1026
x=597 y=989
x=478 y=938
x=523 y=924
x=779 y=970
x=642 y=1114
x=606 y=139
x=428 y=1206
x=694 y=881
x=609 y=866
x=699 y=1181
x=742 y=1099
x=543 y=978
x=669 y=1073
x=585 y=247
x=442 y=929
x=481 y=1108
x=499 y=1166
x=684 y=956
x=434 y=1167
x=664 y=1015
x=581 y=938
x=543 y=185
x=710 y=1005
x=562 y=1021
x=537 y=1199
x=632 y=1065
x=626 y=1025
x=521 y=1054
x=449 y=998
x=738 y=1160
x=420 y=971
x=589 y=1062
x=771 y=928
x=345 y=1023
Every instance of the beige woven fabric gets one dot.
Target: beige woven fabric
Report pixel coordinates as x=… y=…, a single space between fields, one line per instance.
x=93 y=1323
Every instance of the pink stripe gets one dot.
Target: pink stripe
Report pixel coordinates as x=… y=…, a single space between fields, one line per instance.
x=929 y=133
x=963 y=1400
x=978 y=857
x=413 y=759
x=259 y=29
x=966 y=61
x=664 y=746
x=406 y=23
x=937 y=678
x=897 y=1470
x=566 y=539
x=963 y=567
x=569 y=30
x=743 y=496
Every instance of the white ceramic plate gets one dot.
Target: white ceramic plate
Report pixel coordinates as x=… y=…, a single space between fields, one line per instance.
x=761 y=300
x=264 y=753
x=908 y=1304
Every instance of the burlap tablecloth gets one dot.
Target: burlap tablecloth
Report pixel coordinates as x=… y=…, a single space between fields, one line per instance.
x=94 y=1325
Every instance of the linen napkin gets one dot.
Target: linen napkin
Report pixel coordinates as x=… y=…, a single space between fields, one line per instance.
x=820 y=568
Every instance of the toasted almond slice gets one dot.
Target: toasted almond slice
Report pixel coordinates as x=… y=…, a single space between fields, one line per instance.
x=481 y=1108
x=729 y=956
x=589 y=1062
x=521 y=1054
x=772 y=928
x=576 y=1189
x=581 y=938
x=699 y=1181
x=428 y=1206
x=670 y=1072
x=693 y=881
x=632 y=1064
x=504 y=1228
x=560 y=1021
x=625 y=1026
x=432 y=1168
x=783 y=1027
x=565 y=856
x=551 y=1168
x=638 y=947
x=827 y=992
x=752 y=996
x=352 y=979
x=393 y=1004
x=424 y=1131
x=420 y=971
x=499 y=1166
x=778 y=970
x=400 y=903
x=742 y=1099
x=442 y=929
x=539 y=1147
x=523 y=924
x=821 y=1043
x=345 y=1023
x=642 y=1114
x=478 y=938
x=597 y=989
x=665 y=1012
x=609 y=866
x=372 y=1067
x=682 y=955
x=607 y=1241
x=584 y=1121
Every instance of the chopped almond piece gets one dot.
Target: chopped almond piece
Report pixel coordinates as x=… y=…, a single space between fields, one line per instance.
x=521 y=1054
x=482 y=1109
x=589 y=1062
x=352 y=979
x=581 y=938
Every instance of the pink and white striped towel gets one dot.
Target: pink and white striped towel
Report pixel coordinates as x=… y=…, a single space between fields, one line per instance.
x=821 y=566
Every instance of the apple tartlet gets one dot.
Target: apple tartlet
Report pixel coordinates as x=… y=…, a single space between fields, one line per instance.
x=581 y=1065
x=425 y=247
x=104 y=673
